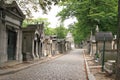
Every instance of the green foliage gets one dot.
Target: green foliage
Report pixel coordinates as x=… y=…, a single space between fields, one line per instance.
x=79 y=33
x=90 y=13
x=49 y=31
x=35 y=21
x=61 y=31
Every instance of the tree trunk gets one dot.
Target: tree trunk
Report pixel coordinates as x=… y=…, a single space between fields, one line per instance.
x=118 y=46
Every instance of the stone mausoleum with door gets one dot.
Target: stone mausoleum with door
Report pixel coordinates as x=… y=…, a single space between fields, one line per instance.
x=11 y=18
x=32 y=47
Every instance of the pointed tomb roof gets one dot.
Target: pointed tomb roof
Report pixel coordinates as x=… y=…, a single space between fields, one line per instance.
x=100 y=36
x=12 y=8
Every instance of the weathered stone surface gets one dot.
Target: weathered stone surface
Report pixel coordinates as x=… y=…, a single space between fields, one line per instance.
x=109 y=55
x=110 y=66
x=32 y=36
x=10 y=32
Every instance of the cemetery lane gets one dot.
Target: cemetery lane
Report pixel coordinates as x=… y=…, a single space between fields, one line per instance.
x=68 y=67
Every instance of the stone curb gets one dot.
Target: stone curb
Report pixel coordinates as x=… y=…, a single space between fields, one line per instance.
x=11 y=71
x=89 y=74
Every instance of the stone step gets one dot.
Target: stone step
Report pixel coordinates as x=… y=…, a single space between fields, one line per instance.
x=110 y=66
x=9 y=64
x=111 y=61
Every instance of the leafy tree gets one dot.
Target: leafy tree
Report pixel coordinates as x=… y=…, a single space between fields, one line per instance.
x=61 y=31
x=90 y=13
x=35 y=21
x=77 y=32
x=49 y=31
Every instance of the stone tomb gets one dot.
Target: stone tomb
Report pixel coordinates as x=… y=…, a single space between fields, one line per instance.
x=11 y=18
x=32 y=42
x=110 y=54
x=54 y=45
x=61 y=45
x=47 y=46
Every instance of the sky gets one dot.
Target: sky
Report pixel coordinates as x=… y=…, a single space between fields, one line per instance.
x=54 y=21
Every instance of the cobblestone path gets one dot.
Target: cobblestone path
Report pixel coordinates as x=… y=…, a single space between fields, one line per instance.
x=67 y=67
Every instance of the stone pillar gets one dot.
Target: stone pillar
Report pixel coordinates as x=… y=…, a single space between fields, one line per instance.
x=50 y=47
x=66 y=46
x=40 y=49
x=3 y=43
x=42 y=53
x=37 y=49
x=112 y=44
x=19 y=55
x=33 y=54
x=91 y=50
x=49 y=50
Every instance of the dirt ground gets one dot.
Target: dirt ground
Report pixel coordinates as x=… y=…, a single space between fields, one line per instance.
x=95 y=69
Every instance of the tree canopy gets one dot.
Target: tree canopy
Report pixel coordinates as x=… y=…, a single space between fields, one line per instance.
x=61 y=31
x=35 y=21
x=90 y=13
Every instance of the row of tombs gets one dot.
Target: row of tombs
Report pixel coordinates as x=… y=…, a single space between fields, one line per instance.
x=24 y=44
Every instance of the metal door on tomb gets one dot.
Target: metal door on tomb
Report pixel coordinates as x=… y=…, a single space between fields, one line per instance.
x=11 y=49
